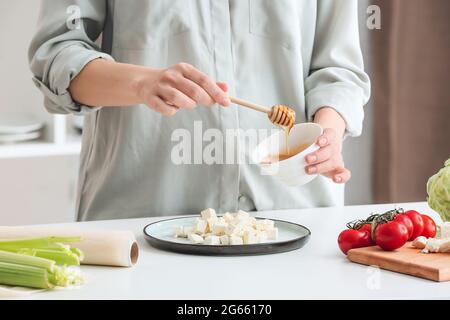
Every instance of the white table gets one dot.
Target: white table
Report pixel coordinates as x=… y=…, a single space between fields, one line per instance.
x=317 y=271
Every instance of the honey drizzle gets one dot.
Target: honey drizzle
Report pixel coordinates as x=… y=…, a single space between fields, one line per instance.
x=283 y=117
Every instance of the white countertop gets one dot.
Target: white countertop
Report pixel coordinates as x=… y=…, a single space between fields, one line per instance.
x=317 y=271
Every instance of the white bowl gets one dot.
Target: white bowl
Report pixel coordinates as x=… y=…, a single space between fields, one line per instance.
x=291 y=170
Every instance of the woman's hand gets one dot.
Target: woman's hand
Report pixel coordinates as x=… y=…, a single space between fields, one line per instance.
x=105 y=83
x=180 y=86
x=328 y=160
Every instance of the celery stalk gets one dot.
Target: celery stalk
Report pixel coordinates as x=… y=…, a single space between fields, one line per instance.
x=34 y=262
x=47 y=248
x=48 y=242
x=28 y=271
x=60 y=257
x=26 y=260
x=78 y=252
x=24 y=275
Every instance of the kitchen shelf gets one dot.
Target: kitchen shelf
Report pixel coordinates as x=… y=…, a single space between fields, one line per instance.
x=59 y=139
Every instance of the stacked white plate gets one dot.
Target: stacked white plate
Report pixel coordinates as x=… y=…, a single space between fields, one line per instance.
x=15 y=128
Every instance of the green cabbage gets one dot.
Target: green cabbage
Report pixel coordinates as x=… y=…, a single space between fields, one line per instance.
x=438 y=189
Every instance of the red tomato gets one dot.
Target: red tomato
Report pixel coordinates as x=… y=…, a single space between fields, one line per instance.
x=368 y=228
x=390 y=236
x=350 y=239
x=404 y=219
x=417 y=220
x=429 y=227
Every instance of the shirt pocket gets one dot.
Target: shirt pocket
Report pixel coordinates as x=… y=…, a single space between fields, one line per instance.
x=144 y=23
x=276 y=21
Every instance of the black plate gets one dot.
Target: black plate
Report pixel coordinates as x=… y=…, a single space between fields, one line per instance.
x=159 y=234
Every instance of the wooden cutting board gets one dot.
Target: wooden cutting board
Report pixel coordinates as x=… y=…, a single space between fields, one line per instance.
x=408 y=260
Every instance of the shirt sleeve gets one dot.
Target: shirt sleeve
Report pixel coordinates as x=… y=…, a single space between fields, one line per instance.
x=63 y=44
x=337 y=78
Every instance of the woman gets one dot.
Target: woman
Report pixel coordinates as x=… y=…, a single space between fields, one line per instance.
x=158 y=70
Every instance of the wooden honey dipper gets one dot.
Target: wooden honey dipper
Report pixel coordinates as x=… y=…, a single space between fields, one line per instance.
x=279 y=114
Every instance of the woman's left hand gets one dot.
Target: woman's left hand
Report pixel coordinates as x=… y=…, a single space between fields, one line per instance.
x=328 y=160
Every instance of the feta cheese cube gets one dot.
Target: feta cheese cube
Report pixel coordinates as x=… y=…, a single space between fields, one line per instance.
x=211 y=222
x=272 y=234
x=233 y=222
x=266 y=224
x=262 y=236
x=238 y=229
x=250 y=237
x=188 y=230
x=243 y=214
x=259 y=225
x=228 y=217
x=195 y=238
x=269 y=223
x=212 y=240
x=179 y=232
x=234 y=240
x=224 y=240
x=229 y=229
x=200 y=227
x=420 y=242
x=219 y=229
x=208 y=214
x=242 y=218
x=438 y=245
x=433 y=244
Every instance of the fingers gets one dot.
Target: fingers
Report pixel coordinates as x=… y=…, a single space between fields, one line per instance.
x=194 y=92
x=223 y=86
x=158 y=104
x=320 y=155
x=332 y=169
x=341 y=175
x=216 y=93
x=176 y=98
x=323 y=167
x=180 y=86
x=327 y=166
x=327 y=161
x=328 y=137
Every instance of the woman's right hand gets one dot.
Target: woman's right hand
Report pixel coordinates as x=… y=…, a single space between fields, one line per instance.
x=179 y=86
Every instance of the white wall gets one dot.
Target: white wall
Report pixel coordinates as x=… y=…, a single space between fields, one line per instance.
x=17 y=24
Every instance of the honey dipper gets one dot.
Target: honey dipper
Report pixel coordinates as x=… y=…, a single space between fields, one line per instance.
x=279 y=114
